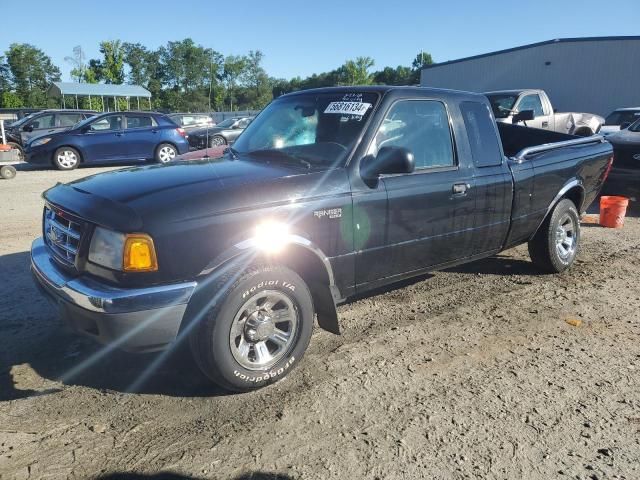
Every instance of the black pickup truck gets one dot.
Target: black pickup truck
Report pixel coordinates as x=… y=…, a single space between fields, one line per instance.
x=327 y=194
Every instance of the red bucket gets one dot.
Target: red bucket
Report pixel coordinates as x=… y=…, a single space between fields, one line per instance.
x=612 y=211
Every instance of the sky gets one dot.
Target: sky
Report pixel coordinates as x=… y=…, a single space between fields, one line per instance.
x=301 y=37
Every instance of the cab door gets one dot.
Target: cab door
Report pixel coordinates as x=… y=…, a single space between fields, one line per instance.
x=430 y=212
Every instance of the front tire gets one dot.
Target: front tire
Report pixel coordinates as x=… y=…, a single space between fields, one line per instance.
x=257 y=331
x=554 y=247
x=165 y=153
x=66 y=158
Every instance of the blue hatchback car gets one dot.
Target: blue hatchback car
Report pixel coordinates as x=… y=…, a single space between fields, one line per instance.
x=110 y=137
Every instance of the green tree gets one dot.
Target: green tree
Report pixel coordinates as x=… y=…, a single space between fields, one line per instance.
x=192 y=73
x=423 y=59
x=256 y=80
x=112 y=64
x=93 y=73
x=356 y=72
x=137 y=57
x=31 y=72
x=393 y=76
x=232 y=70
x=10 y=100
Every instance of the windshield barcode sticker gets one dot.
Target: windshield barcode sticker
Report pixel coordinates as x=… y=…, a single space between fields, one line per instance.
x=347 y=108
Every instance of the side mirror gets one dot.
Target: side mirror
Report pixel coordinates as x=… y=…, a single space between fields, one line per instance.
x=624 y=125
x=523 y=116
x=389 y=160
x=85 y=129
x=27 y=128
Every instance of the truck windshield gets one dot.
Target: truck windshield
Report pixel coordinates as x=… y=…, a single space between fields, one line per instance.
x=502 y=104
x=317 y=128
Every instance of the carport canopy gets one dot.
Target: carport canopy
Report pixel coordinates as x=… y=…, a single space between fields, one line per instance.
x=98 y=90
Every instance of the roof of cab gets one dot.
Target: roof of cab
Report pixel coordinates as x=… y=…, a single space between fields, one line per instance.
x=387 y=89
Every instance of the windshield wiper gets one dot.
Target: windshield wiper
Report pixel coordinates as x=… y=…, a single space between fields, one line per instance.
x=274 y=153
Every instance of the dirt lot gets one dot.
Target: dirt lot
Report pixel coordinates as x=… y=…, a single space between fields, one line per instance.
x=470 y=373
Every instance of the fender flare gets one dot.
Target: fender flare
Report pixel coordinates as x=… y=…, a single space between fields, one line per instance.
x=324 y=295
x=571 y=184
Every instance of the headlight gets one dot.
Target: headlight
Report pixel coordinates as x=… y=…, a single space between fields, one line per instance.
x=106 y=248
x=40 y=141
x=132 y=252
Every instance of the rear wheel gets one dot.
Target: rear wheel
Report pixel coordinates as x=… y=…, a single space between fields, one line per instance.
x=66 y=158
x=7 y=172
x=257 y=331
x=555 y=246
x=165 y=153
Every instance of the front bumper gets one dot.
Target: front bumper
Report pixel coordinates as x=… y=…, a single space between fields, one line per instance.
x=132 y=319
x=39 y=156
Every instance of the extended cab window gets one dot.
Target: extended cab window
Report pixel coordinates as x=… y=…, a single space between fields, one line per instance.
x=140 y=121
x=481 y=134
x=422 y=126
x=107 y=123
x=531 y=102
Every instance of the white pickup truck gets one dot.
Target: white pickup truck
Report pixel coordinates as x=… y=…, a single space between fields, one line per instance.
x=533 y=109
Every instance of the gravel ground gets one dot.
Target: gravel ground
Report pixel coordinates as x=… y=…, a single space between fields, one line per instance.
x=488 y=370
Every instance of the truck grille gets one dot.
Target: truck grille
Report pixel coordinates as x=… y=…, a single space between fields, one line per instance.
x=62 y=234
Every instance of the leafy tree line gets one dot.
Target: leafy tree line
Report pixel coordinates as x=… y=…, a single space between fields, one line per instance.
x=181 y=75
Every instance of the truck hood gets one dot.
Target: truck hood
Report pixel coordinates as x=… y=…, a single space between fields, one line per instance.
x=135 y=198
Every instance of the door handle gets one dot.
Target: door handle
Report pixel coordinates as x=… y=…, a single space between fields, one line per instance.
x=545 y=124
x=119 y=134
x=154 y=130
x=460 y=188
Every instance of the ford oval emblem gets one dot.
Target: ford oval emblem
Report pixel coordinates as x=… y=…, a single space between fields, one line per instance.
x=636 y=156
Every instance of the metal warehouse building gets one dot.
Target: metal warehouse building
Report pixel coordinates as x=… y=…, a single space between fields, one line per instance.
x=595 y=75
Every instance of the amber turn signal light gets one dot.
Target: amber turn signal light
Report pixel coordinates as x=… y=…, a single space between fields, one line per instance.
x=139 y=253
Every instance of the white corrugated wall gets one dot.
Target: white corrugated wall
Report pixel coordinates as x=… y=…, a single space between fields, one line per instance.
x=595 y=76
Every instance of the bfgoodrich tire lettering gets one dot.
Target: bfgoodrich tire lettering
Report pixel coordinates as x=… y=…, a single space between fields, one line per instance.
x=232 y=343
x=555 y=246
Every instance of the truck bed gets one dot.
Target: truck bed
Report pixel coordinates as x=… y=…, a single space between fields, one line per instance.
x=545 y=165
x=515 y=138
